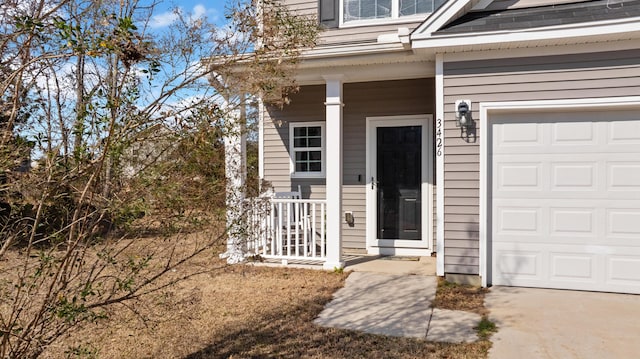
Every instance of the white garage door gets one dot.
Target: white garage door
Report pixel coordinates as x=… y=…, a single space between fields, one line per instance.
x=565 y=200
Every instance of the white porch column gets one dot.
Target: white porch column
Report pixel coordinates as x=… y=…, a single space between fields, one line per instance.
x=333 y=171
x=235 y=146
x=260 y=143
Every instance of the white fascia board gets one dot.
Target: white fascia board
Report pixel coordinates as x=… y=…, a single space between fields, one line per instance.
x=396 y=56
x=609 y=27
x=600 y=44
x=448 y=11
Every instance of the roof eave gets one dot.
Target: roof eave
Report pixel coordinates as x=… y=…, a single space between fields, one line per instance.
x=447 y=12
x=622 y=28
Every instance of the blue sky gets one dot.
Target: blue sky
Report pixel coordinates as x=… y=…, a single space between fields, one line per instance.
x=165 y=15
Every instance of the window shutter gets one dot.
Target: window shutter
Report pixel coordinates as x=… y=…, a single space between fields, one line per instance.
x=329 y=13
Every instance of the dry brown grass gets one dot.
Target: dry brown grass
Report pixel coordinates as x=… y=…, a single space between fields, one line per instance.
x=243 y=312
x=460 y=297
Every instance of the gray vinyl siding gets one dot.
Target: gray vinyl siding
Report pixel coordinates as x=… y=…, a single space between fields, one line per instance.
x=362 y=100
x=605 y=74
x=360 y=34
x=307 y=105
x=346 y=35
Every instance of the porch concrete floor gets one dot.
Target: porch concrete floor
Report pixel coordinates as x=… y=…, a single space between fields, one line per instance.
x=366 y=263
x=393 y=297
x=392 y=265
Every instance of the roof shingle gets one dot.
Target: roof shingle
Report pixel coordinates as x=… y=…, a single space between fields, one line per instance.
x=542 y=16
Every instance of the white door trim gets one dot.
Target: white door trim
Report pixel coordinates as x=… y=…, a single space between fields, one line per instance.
x=401 y=247
x=486 y=109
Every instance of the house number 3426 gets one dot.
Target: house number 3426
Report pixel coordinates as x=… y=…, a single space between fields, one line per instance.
x=439 y=136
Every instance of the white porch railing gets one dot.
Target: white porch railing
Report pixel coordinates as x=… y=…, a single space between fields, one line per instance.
x=287 y=229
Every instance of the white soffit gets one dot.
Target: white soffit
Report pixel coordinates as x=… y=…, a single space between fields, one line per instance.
x=367 y=62
x=400 y=70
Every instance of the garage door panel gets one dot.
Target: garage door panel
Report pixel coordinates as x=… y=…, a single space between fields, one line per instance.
x=624 y=222
x=584 y=150
x=624 y=132
x=509 y=239
x=519 y=135
x=574 y=176
x=623 y=176
x=572 y=267
x=520 y=239
x=624 y=271
x=568 y=194
x=520 y=176
x=569 y=267
x=573 y=221
x=565 y=200
x=573 y=133
x=518 y=220
x=512 y=265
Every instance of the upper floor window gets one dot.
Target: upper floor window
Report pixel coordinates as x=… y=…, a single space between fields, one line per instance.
x=355 y=10
x=306 y=146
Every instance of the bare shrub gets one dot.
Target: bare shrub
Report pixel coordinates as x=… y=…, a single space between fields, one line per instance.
x=86 y=90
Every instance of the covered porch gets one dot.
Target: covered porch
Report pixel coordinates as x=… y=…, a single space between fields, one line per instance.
x=369 y=187
x=367 y=170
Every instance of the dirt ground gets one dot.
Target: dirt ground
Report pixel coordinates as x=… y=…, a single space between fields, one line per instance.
x=241 y=311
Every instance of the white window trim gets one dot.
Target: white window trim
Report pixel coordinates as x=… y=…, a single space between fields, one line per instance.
x=292 y=153
x=395 y=17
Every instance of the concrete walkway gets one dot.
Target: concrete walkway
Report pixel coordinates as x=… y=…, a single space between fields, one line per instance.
x=393 y=297
x=546 y=323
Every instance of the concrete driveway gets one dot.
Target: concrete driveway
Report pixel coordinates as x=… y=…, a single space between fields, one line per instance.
x=545 y=323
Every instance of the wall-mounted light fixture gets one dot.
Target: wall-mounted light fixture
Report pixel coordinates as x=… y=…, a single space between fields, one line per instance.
x=348 y=217
x=463 y=114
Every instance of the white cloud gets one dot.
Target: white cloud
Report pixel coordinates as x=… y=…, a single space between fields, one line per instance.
x=167 y=18
x=199 y=11
x=164 y=19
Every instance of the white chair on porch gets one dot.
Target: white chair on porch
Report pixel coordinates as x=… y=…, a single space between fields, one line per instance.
x=292 y=224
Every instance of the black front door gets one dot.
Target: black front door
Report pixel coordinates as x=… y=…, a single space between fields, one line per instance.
x=399 y=179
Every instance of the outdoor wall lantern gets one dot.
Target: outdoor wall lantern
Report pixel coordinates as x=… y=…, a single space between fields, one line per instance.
x=463 y=114
x=348 y=217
